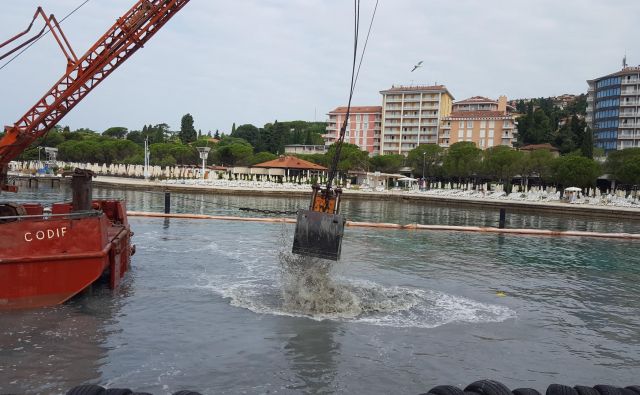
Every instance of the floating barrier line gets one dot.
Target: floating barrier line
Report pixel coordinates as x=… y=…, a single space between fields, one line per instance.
x=450 y=228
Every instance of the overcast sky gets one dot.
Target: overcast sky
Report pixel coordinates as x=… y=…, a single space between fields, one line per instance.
x=255 y=61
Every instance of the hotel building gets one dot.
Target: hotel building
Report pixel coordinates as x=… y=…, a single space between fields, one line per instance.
x=613 y=109
x=411 y=116
x=363 y=127
x=483 y=121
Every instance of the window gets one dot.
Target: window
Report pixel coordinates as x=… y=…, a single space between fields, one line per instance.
x=460 y=134
x=470 y=124
x=461 y=124
x=469 y=133
x=491 y=134
x=481 y=143
x=483 y=124
x=482 y=133
x=492 y=124
x=490 y=142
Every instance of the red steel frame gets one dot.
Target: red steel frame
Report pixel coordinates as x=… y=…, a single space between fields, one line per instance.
x=123 y=39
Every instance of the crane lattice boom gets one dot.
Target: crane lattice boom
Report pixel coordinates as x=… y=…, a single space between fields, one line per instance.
x=123 y=39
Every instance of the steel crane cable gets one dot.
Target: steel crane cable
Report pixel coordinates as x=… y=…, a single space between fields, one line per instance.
x=42 y=35
x=333 y=170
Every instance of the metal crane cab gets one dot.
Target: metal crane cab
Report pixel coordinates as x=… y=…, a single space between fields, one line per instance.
x=319 y=229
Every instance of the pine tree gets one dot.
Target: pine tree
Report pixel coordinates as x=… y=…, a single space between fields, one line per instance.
x=187 y=132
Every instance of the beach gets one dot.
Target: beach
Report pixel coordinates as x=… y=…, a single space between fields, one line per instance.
x=462 y=199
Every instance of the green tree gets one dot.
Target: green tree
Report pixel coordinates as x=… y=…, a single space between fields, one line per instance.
x=624 y=166
x=426 y=160
x=136 y=136
x=247 y=132
x=462 y=160
x=187 y=132
x=387 y=163
x=502 y=163
x=232 y=151
x=261 y=157
x=351 y=158
x=575 y=170
x=116 y=132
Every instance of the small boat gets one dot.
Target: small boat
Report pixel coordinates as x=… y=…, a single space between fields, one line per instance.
x=48 y=257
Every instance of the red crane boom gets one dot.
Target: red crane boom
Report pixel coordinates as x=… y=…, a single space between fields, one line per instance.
x=123 y=39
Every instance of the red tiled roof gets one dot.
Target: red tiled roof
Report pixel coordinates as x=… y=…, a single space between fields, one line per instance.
x=476 y=99
x=416 y=88
x=358 y=110
x=533 y=147
x=290 y=162
x=477 y=114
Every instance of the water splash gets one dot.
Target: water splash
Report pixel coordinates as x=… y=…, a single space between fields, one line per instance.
x=310 y=287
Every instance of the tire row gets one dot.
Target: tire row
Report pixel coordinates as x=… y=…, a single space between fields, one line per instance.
x=98 y=390
x=492 y=387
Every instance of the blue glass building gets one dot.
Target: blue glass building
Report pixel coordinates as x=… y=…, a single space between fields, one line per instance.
x=613 y=109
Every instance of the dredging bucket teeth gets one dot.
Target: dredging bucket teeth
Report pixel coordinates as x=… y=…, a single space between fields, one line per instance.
x=318 y=234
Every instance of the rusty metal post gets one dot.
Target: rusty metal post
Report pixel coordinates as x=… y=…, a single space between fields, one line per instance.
x=82 y=190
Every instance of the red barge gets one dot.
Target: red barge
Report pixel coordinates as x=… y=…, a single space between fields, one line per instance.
x=49 y=255
x=46 y=258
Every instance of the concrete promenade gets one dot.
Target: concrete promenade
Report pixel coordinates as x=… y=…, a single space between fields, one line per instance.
x=556 y=208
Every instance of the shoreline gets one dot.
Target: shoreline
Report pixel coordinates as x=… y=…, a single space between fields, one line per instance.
x=555 y=208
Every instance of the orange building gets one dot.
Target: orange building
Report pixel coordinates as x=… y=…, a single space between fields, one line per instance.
x=363 y=127
x=485 y=122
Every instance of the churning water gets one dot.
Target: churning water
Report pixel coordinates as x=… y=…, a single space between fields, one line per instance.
x=223 y=307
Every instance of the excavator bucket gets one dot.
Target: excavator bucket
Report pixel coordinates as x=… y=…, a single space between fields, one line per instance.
x=319 y=230
x=318 y=234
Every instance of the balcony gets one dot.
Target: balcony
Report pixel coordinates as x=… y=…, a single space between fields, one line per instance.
x=627 y=103
x=631 y=81
x=630 y=92
x=629 y=135
x=629 y=125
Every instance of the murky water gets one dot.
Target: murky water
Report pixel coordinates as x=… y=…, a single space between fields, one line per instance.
x=222 y=307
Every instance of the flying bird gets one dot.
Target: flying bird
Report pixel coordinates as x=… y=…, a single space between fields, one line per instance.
x=416 y=66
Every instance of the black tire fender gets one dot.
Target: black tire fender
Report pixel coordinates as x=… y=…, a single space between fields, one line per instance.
x=488 y=387
x=584 y=390
x=607 y=389
x=525 y=391
x=118 y=391
x=446 y=390
x=87 y=389
x=558 y=389
x=634 y=388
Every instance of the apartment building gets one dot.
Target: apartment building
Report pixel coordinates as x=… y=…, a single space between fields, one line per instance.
x=411 y=116
x=613 y=109
x=363 y=127
x=481 y=120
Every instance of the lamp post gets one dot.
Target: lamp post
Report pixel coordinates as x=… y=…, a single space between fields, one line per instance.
x=424 y=159
x=146 y=158
x=204 y=154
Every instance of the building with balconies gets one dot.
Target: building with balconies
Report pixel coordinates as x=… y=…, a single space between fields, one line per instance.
x=485 y=122
x=613 y=109
x=411 y=116
x=363 y=127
